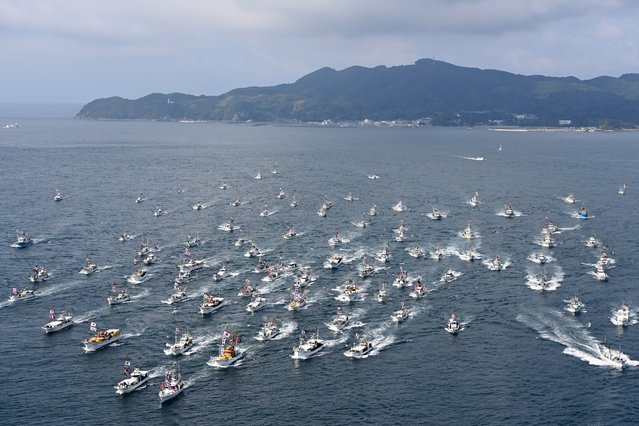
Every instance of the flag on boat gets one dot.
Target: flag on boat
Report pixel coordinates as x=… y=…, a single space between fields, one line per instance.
x=93 y=327
x=114 y=287
x=187 y=252
x=14 y=290
x=127 y=363
x=177 y=330
x=227 y=334
x=51 y=313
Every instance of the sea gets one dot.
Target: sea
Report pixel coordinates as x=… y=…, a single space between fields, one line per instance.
x=520 y=358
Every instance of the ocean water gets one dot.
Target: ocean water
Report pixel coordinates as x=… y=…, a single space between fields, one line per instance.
x=521 y=359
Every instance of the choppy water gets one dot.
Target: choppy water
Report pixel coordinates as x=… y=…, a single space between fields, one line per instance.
x=520 y=359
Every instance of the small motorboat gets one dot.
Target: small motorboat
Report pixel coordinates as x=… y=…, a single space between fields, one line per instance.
x=236 y=202
x=583 y=213
x=256 y=303
x=574 y=305
x=290 y=233
x=298 y=299
x=400 y=315
x=183 y=342
x=336 y=240
x=308 y=347
x=435 y=214
x=223 y=186
x=592 y=242
x=247 y=289
x=172 y=386
x=100 y=339
x=373 y=210
x=622 y=190
x=23 y=240
x=468 y=232
x=540 y=257
x=621 y=316
x=18 y=295
x=401 y=279
x=437 y=254
x=280 y=194
x=179 y=295
x=334 y=261
x=349 y=197
x=385 y=255
x=193 y=240
x=600 y=273
x=58 y=196
x=118 y=297
x=474 y=200
x=89 y=267
x=616 y=357
x=448 y=276
x=139 y=199
x=495 y=264
x=508 y=211
x=134 y=379
x=340 y=320
x=158 y=212
x=382 y=294
x=399 y=207
x=259 y=176
x=361 y=348
x=269 y=331
x=198 y=206
x=453 y=326
x=349 y=293
x=253 y=252
x=293 y=202
x=419 y=289
x=230 y=352
x=40 y=274
x=210 y=303
x=58 y=322
x=570 y=198
x=125 y=237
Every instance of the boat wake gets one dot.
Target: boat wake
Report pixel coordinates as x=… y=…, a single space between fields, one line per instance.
x=516 y=213
x=559 y=328
x=480 y=158
x=545 y=283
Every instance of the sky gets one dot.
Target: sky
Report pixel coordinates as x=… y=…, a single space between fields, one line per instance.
x=74 y=51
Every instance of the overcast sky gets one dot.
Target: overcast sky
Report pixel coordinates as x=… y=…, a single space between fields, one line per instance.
x=73 y=51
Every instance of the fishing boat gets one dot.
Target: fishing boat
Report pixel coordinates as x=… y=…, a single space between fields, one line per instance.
x=385 y=255
x=399 y=207
x=373 y=210
x=247 y=289
x=223 y=186
x=349 y=293
x=40 y=274
x=191 y=264
x=298 y=298
x=179 y=295
x=280 y=195
x=437 y=254
x=419 y=289
x=400 y=315
x=229 y=353
x=574 y=305
x=293 y=202
x=138 y=276
x=621 y=316
x=616 y=357
x=495 y=264
x=89 y=267
x=118 y=297
x=540 y=257
x=335 y=261
x=198 y=206
x=340 y=320
x=100 y=339
x=336 y=240
x=125 y=237
x=269 y=331
x=253 y=252
x=361 y=348
x=349 y=197
x=23 y=240
x=210 y=303
x=508 y=211
x=182 y=343
x=133 y=381
x=622 y=190
x=290 y=233
x=474 y=200
x=58 y=322
x=547 y=241
x=583 y=213
x=149 y=259
x=158 y=212
x=139 y=199
x=382 y=294
x=259 y=176
x=401 y=279
x=600 y=273
x=307 y=347
x=57 y=196
x=435 y=214
x=570 y=198
x=366 y=269
x=592 y=242
x=448 y=276
x=468 y=232
x=255 y=304
x=453 y=326
x=18 y=295
x=171 y=386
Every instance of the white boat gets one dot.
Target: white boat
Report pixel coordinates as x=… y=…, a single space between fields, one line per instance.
x=239 y=242
x=230 y=352
x=247 y=289
x=547 y=241
x=266 y=212
x=401 y=236
x=361 y=348
x=293 y=202
x=39 y=274
x=280 y=194
x=158 y=212
x=171 y=387
x=616 y=357
x=334 y=261
x=508 y=211
x=23 y=240
x=255 y=304
x=468 y=232
x=592 y=242
x=385 y=255
x=210 y=303
x=435 y=214
x=18 y=295
x=179 y=295
x=220 y=274
x=336 y=240
x=89 y=267
x=183 y=342
x=100 y=339
x=118 y=297
x=400 y=315
x=149 y=259
x=139 y=199
x=322 y=211
x=308 y=347
x=269 y=331
x=600 y=273
x=448 y=276
x=419 y=289
x=540 y=257
x=290 y=233
x=621 y=316
x=399 y=207
x=373 y=210
x=57 y=196
x=236 y=202
x=437 y=254
x=133 y=381
x=363 y=223
x=298 y=299
x=382 y=294
x=223 y=186
x=401 y=279
x=416 y=251
x=474 y=200
x=574 y=305
x=373 y=177
x=622 y=190
x=253 y=252
x=367 y=270
x=58 y=322
x=340 y=320
x=191 y=264
x=570 y=198
x=349 y=197
x=349 y=293
x=495 y=264
x=125 y=237
x=453 y=326
x=259 y=176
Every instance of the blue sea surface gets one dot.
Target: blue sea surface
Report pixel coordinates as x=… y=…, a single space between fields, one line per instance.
x=521 y=359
